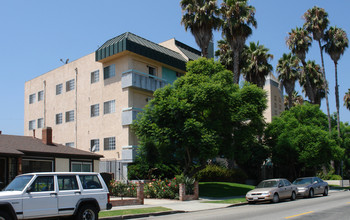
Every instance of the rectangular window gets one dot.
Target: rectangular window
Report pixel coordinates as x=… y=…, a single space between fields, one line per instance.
x=109 y=143
x=40 y=95
x=81 y=167
x=151 y=71
x=31 y=124
x=95 y=76
x=95 y=145
x=59 y=89
x=58 y=118
x=70 y=116
x=36 y=165
x=95 y=110
x=42 y=184
x=40 y=123
x=70 y=144
x=90 y=182
x=67 y=182
x=31 y=98
x=109 y=107
x=109 y=71
x=70 y=85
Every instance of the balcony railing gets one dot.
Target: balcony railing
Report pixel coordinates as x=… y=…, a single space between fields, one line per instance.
x=129 y=154
x=129 y=115
x=136 y=79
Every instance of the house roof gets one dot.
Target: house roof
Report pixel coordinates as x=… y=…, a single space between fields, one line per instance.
x=25 y=145
x=131 y=42
x=190 y=52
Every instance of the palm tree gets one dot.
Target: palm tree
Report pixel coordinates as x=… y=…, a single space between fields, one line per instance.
x=201 y=17
x=258 y=67
x=312 y=71
x=225 y=54
x=296 y=100
x=237 y=17
x=299 y=42
x=316 y=22
x=347 y=99
x=288 y=72
x=337 y=42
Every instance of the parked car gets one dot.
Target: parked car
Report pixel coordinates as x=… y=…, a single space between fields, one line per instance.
x=272 y=190
x=310 y=186
x=43 y=195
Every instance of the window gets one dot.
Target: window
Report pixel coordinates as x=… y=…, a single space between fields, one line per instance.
x=40 y=123
x=151 y=70
x=67 y=183
x=31 y=98
x=59 y=89
x=109 y=107
x=70 y=144
x=70 y=116
x=95 y=145
x=95 y=76
x=109 y=143
x=70 y=85
x=81 y=167
x=42 y=184
x=32 y=125
x=40 y=95
x=90 y=182
x=95 y=110
x=58 y=118
x=109 y=71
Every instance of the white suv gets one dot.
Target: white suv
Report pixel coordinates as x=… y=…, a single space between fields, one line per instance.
x=43 y=195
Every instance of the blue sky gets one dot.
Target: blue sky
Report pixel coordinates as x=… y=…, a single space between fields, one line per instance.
x=36 y=34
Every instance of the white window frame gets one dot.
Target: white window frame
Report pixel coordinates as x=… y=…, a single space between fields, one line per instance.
x=81 y=164
x=59 y=119
x=95 y=76
x=59 y=88
x=70 y=144
x=40 y=95
x=109 y=71
x=31 y=125
x=40 y=122
x=109 y=107
x=31 y=98
x=95 y=143
x=109 y=143
x=94 y=110
x=70 y=85
x=70 y=116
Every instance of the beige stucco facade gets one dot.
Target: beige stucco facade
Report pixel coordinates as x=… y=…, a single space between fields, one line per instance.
x=275 y=105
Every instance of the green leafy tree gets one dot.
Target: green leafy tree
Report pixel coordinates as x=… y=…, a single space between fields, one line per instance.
x=337 y=42
x=201 y=17
x=237 y=18
x=288 y=72
x=316 y=22
x=299 y=141
x=200 y=117
x=258 y=66
x=347 y=99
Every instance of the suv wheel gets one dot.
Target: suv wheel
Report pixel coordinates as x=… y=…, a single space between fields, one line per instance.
x=87 y=212
x=4 y=216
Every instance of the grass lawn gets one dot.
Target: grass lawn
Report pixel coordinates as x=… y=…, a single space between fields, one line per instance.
x=228 y=201
x=223 y=189
x=336 y=187
x=132 y=211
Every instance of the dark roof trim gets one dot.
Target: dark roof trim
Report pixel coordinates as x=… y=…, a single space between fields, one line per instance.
x=186 y=47
x=141 y=46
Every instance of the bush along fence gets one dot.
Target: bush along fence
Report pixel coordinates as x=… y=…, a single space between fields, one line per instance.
x=125 y=193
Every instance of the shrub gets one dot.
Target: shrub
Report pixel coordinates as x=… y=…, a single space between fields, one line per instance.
x=162 y=189
x=214 y=173
x=329 y=176
x=143 y=171
x=120 y=189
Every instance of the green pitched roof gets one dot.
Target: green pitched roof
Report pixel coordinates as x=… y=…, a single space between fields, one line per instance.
x=190 y=52
x=141 y=46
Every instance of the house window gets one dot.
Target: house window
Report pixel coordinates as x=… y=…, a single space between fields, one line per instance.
x=59 y=89
x=109 y=107
x=109 y=71
x=81 y=166
x=95 y=145
x=70 y=116
x=95 y=76
x=40 y=123
x=70 y=144
x=70 y=85
x=40 y=95
x=151 y=71
x=31 y=124
x=95 y=110
x=109 y=143
x=36 y=165
x=58 y=118
x=31 y=98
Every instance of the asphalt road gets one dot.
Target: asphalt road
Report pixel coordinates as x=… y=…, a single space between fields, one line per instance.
x=336 y=206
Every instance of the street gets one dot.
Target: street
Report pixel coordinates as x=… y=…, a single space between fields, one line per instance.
x=334 y=206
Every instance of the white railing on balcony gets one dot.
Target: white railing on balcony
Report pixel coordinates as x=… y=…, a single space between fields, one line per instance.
x=129 y=115
x=137 y=79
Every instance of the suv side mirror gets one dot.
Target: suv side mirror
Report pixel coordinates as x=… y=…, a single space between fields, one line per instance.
x=29 y=189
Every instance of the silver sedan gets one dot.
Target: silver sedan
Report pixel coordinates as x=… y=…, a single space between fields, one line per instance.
x=310 y=186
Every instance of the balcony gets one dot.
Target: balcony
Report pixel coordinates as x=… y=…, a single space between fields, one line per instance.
x=136 y=79
x=129 y=154
x=129 y=115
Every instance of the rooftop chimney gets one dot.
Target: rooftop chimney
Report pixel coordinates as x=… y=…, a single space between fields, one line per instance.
x=47 y=136
x=0 y=132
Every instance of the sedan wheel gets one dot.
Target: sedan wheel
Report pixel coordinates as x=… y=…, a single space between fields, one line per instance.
x=325 y=193
x=294 y=196
x=276 y=198
x=311 y=193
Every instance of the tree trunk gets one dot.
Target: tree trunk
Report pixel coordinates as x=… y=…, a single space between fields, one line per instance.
x=337 y=97
x=326 y=88
x=308 y=90
x=236 y=67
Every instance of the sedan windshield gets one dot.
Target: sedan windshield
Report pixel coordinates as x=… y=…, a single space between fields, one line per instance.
x=302 y=181
x=267 y=184
x=18 y=183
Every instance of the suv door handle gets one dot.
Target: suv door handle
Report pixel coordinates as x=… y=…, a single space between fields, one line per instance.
x=53 y=194
x=77 y=193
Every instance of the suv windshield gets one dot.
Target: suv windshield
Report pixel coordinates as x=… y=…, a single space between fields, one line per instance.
x=267 y=184
x=302 y=181
x=18 y=183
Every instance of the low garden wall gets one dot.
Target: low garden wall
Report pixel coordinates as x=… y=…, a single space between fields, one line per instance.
x=346 y=183
x=139 y=200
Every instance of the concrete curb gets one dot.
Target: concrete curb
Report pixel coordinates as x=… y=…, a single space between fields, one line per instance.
x=141 y=215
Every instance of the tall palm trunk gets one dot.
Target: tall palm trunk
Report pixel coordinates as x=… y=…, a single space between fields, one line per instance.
x=337 y=96
x=236 y=72
x=326 y=88
x=308 y=89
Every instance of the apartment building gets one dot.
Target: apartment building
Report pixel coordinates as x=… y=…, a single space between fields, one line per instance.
x=91 y=102
x=275 y=105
